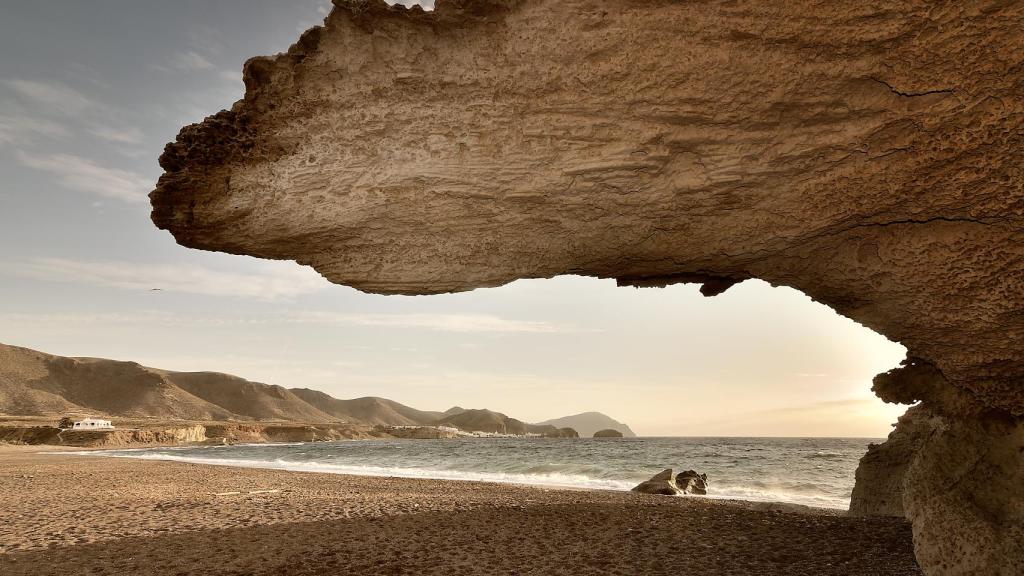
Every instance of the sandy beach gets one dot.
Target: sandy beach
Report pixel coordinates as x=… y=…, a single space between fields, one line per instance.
x=69 y=514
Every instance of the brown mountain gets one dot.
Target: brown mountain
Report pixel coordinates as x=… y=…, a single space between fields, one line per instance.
x=38 y=384
x=368 y=410
x=588 y=423
x=250 y=400
x=484 y=421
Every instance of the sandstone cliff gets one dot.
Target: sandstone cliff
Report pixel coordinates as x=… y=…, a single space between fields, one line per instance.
x=879 y=487
x=155 y=434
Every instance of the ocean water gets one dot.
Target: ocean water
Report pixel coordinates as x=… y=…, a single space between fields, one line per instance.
x=811 y=471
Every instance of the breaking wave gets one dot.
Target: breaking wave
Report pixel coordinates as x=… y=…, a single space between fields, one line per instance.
x=813 y=472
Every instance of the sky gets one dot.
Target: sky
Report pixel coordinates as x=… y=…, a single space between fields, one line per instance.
x=91 y=91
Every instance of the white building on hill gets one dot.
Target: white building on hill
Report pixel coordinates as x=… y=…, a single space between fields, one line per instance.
x=92 y=424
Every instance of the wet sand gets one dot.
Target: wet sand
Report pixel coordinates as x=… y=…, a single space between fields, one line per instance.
x=66 y=514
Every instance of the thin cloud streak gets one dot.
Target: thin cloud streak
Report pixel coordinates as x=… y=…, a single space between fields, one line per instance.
x=54 y=96
x=234 y=76
x=143 y=318
x=15 y=129
x=270 y=284
x=842 y=404
x=84 y=175
x=459 y=323
x=436 y=322
x=55 y=99
x=190 y=61
x=130 y=135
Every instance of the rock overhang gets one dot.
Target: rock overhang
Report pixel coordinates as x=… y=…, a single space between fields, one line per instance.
x=869 y=156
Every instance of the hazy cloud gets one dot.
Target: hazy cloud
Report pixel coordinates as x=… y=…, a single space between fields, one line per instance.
x=826 y=406
x=104 y=320
x=40 y=99
x=437 y=322
x=117 y=275
x=84 y=175
x=54 y=96
x=130 y=135
x=18 y=129
x=231 y=76
x=272 y=283
x=189 y=62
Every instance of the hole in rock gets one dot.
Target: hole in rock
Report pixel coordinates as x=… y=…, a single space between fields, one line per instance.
x=758 y=374
x=737 y=371
x=425 y=4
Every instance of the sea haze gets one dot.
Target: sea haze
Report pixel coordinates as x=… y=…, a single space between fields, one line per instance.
x=810 y=471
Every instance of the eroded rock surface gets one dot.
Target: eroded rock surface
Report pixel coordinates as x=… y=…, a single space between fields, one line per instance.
x=661 y=483
x=690 y=482
x=878 y=490
x=964 y=494
x=869 y=155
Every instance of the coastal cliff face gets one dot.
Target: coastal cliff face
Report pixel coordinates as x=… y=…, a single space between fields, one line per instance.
x=48 y=435
x=155 y=434
x=868 y=155
x=879 y=483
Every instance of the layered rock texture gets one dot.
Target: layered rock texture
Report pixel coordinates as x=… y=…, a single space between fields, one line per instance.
x=150 y=433
x=869 y=155
x=879 y=483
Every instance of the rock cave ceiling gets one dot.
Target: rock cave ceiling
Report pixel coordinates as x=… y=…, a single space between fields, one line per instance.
x=868 y=155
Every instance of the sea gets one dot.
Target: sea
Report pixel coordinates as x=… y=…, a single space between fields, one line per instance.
x=810 y=471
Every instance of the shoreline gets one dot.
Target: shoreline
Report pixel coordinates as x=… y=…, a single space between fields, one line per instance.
x=763 y=504
x=104 y=515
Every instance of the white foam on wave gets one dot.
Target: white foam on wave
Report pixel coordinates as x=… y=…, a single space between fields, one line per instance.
x=761 y=495
x=552 y=479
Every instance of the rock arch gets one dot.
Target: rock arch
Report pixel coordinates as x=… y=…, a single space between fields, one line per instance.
x=869 y=156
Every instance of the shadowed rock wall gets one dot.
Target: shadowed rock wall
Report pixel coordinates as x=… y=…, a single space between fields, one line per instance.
x=869 y=155
x=879 y=483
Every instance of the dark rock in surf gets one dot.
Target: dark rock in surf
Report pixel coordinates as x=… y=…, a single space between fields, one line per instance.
x=690 y=482
x=660 y=483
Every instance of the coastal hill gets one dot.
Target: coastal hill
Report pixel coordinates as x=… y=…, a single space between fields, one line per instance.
x=34 y=383
x=368 y=410
x=483 y=420
x=588 y=423
x=37 y=384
